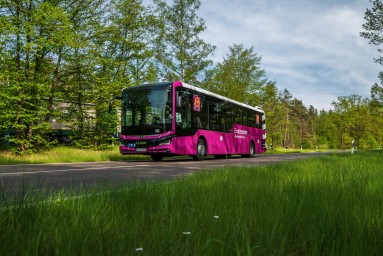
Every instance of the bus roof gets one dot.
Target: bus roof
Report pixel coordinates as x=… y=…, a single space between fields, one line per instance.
x=198 y=89
x=192 y=87
x=145 y=86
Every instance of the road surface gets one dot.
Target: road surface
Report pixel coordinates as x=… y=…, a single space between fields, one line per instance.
x=18 y=179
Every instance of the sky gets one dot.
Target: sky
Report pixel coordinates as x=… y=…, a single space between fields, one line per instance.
x=312 y=48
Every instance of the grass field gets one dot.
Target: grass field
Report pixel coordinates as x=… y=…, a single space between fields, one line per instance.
x=63 y=154
x=329 y=205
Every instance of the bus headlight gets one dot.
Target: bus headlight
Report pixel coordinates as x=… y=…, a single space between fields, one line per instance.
x=125 y=143
x=165 y=142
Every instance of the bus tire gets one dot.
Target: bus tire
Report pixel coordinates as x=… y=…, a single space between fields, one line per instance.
x=201 y=150
x=251 y=151
x=157 y=158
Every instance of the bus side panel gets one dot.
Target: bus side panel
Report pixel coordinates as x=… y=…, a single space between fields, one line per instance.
x=235 y=142
x=183 y=145
x=258 y=142
x=243 y=136
x=219 y=143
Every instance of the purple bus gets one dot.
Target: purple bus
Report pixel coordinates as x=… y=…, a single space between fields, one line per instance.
x=175 y=118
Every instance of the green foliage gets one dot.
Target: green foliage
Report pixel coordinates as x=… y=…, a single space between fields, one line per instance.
x=373 y=28
x=61 y=62
x=64 y=154
x=273 y=107
x=182 y=53
x=32 y=33
x=239 y=76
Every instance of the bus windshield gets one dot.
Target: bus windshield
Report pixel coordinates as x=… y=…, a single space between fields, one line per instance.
x=147 y=110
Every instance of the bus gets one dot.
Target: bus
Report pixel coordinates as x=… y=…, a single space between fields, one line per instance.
x=175 y=118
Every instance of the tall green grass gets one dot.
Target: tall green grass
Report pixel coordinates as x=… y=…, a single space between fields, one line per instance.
x=330 y=205
x=64 y=155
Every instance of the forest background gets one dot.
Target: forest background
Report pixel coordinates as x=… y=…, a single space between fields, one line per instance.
x=61 y=61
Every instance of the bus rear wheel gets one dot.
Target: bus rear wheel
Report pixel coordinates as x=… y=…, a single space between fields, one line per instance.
x=157 y=158
x=251 y=151
x=201 y=150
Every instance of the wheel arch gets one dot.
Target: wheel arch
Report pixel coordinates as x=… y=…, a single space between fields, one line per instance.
x=202 y=137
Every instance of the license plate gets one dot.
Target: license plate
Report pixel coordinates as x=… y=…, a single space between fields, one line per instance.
x=140 y=149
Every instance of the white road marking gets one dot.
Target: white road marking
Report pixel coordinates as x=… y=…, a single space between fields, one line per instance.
x=72 y=169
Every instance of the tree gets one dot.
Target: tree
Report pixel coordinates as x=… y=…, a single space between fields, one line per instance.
x=79 y=78
x=326 y=130
x=274 y=116
x=179 y=49
x=373 y=27
x=286 y=99
x=353 y=119
x=300 y=119
x=313 y=117
x=239 y=76
x=377 y=92
x=31 y=32
x=123 y=58
x=124 y=43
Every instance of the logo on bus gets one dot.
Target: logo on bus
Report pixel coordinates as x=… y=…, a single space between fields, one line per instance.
x=240 y=132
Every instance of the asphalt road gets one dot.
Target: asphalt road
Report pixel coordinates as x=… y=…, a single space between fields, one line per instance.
x=19 y=179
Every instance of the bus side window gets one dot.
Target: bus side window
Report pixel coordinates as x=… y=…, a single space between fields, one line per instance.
x=199 y=114
x=258 y=120
x=244 y=117
x=238 y=116
x=228 y=118
x=251 y=119
x=183 y=110
x=216 y=115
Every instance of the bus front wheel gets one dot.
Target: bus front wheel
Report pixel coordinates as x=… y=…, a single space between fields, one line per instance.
x=201 y=150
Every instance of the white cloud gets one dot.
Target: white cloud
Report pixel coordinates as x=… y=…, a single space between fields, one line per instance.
x=311 y=48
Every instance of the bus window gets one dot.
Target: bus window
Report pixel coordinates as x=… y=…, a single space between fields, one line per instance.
x=238 y=116
x=244 y=116
x=228 y=117
x=216 y=114
x=251 y=119
x=258 y=120
x=184 y=110
x=200 y=115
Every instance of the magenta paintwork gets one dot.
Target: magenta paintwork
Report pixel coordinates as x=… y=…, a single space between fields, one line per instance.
x=218 y=143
